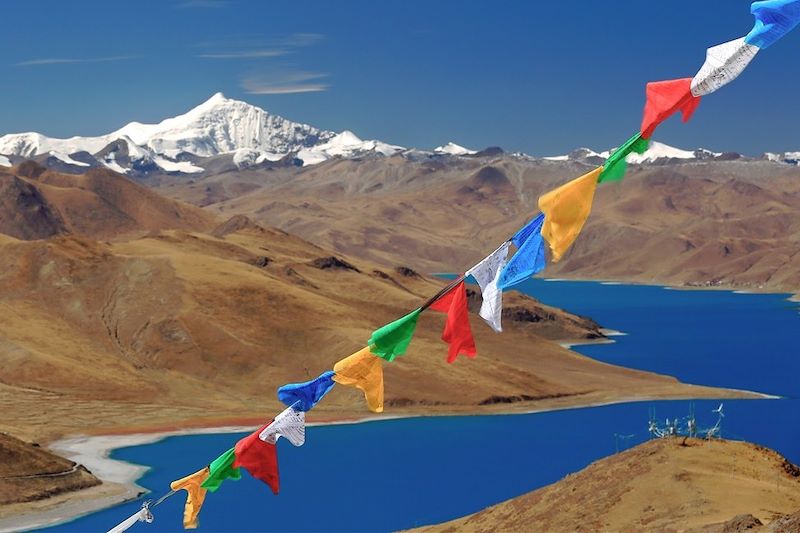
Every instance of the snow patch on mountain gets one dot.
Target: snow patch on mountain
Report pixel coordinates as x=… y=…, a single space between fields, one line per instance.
x=452 y=148
x=248 y=157
x=4 y=161
x=186 y=167
x=790 y=158
x=345 y=144
x=67 y=159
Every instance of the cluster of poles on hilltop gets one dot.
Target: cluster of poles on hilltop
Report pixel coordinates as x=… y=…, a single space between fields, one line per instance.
x=564 y=211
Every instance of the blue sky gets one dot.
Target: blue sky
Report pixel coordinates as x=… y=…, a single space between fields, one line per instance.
x=540 y=77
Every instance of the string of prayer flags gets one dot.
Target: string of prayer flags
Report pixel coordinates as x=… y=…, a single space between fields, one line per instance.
x=195 y=496
x=393 y=339
x=258 y=457
x=289 y=424
x=774 y=19
x=723 y=64
x=529 y=259
x=364 y=371
x=487 y=273
x=615 y=166
x=220 y=469
x=665 y=98
x=304 y=396
x=142 y=515
x=457 y=331
x=566 y=210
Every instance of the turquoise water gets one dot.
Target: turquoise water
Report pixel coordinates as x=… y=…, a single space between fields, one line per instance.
x=383 y=476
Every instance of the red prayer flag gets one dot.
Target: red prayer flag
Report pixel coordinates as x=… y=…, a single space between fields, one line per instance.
x=259 y=458
x=457 y=332
x=665 y=98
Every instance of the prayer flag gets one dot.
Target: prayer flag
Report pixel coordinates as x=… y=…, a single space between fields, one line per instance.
x=665 y=98
x=457 y=332
x=363 y=370
x=616 y=164
x=774 y=19
x=529 y=258
x=486 y=273
x=393 y=339
x=290 y=424
x=304 y=396
x=260 y=458
x=566 y=210
x=195 y=495
x=723 y=64
x=221 y=469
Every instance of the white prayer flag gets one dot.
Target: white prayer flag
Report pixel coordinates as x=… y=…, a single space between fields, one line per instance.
x=723 y=64
x=486 y=273
x=290 y=424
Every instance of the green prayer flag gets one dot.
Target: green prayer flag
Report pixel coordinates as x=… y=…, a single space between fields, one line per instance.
x=393 y=339
x=221 y=469
x=615 y=166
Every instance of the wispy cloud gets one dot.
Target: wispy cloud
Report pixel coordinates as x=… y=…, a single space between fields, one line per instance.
x=66 y=60
x=285 y=82
x=258 y=47
x=244 y=54
x=202 y=4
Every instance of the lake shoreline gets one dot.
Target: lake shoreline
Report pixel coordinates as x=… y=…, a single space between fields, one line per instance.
x=121 y=477
x=93 y=451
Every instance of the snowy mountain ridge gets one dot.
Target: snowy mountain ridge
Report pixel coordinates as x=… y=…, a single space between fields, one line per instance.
x=249 y=136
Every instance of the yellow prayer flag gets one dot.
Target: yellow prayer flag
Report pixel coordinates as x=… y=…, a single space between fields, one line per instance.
x=363 y=370
x=566 y=210
x=195 y=496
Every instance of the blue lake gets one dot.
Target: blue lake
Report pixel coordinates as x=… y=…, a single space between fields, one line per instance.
x=383 y=476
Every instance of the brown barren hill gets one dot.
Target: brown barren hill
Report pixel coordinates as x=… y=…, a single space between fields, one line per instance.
x=661 y=485
x=188 y=328
x=37 y=203
x=29 y=473
x=706 y=223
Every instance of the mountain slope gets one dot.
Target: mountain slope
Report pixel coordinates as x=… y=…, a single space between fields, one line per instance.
x=657 y=486
x=37 y=203
x=29 y=472
x=709 y=222
x=192 y=327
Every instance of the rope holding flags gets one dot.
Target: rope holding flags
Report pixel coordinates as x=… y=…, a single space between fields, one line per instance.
x=564 y=211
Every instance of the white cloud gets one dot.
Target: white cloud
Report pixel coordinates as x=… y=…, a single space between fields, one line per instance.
x=285 y=82
x=64 y=61
x=256 y=47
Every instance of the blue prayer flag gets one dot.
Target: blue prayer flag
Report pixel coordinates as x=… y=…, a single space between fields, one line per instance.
x=774 y=19
x=529 y=258
x=306 y=394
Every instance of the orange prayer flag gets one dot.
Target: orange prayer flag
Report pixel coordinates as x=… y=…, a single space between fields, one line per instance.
x=363 y=370
x=566 y=210
x=195 y=496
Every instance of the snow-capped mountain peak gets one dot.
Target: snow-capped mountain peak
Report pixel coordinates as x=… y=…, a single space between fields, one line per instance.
x=452 y=148
x=223 y=125
x=220 y=125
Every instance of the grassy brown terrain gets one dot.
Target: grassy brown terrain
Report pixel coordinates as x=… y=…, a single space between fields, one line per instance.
x=661 y=485
x=30 y=473
x=706 y=223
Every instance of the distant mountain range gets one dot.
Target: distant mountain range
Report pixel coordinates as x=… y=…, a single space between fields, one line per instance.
x=223 y=134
